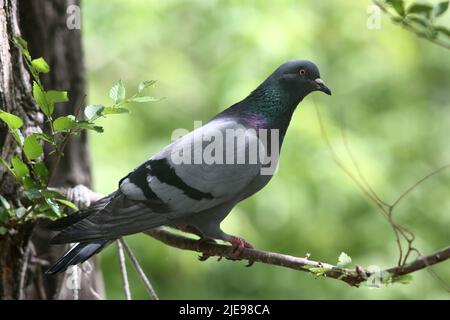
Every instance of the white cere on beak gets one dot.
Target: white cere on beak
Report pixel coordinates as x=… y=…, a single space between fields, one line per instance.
x=319 y=82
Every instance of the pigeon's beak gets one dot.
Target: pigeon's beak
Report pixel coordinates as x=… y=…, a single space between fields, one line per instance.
x=322 y=87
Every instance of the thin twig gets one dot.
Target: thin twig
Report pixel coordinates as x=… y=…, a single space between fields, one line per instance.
x=123 y=270
x=27 y=213
x=422 y=262
x=39 y=283
x=437 y=171
x=95 y=294
x=433 y=273
x=76 y=282
x=60 y=152
x=386 y=208
x=341 y=165
x=358 y=169
x=23 y=272
x=39 y=262
x=139 y=270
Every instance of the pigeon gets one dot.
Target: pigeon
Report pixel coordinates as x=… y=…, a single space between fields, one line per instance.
x=187 y=188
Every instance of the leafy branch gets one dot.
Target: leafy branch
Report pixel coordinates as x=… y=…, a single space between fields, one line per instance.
x=37 y=199
x=419 y=18
x=355 y=276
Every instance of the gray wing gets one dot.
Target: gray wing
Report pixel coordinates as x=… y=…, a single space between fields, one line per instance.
x=193 y=174
x=169 y=186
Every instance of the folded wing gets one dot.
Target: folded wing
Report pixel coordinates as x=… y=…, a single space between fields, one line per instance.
x=199 y=171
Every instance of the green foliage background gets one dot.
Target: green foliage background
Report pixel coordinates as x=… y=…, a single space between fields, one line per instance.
x=390 y=92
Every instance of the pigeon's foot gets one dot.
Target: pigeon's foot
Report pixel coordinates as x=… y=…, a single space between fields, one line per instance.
x=205 y=256
x=238 y=245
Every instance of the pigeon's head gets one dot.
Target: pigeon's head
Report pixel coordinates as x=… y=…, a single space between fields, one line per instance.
x=300 y=77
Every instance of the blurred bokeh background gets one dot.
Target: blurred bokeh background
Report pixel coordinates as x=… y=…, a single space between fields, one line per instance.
x=390 y=94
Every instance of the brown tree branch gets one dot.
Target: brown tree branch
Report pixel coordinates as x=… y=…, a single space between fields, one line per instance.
x=354 y=277
x=138 y=269
x=123 y=270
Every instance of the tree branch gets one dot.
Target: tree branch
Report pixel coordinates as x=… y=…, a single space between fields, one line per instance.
x=354 y=277
x=139 y=269
x=123 y=270
x=407 y=26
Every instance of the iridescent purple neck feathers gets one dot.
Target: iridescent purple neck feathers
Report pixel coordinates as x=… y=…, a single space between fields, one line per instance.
x=255 y=120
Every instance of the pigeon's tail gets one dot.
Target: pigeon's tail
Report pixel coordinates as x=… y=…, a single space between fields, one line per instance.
x=73 y=218
x=79 y=253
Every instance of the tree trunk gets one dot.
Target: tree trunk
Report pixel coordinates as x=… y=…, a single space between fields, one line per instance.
x=43 y=23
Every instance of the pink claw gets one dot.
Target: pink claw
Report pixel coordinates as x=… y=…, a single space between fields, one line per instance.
x=238 y=245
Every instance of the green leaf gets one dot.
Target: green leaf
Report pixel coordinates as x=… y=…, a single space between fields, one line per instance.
x=44 y=137
x=19 y=168
x=109 y=110
x=12 y=121
x=40 y=65
x=5 y=203
x=22 y=42
x=17 y=134
x=32 y=193
x=32 y=147
x=403 y=279
x=41 y=170
x=441 y=8
x=53 y=206
x=117 y=92
x=96 y=129
x=64 y=123
x=23 y=47
x=443 y=30
x=4 y=163
x=29 y=183
x=344 y=260
x=144 y=99
x=93 y=111
x=41 y=99
x=423 y=22
x=3 y=215
x=51 y=193
x=43 y=211
x=19 y=212
x=397 y=19
x=3 y=231
x=67 y=203
x=89 y=125
x=398 y=5
x=145 y=84
x=419 y=8
x=318 y=271
x=54 y=96
x=432 y=33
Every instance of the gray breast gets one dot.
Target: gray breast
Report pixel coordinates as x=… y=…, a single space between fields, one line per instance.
x=257 y=184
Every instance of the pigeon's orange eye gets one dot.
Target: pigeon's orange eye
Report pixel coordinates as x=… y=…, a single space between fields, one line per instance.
x=302 y=72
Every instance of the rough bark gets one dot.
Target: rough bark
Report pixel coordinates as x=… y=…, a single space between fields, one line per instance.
x=15 y=97
x=43 y=24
